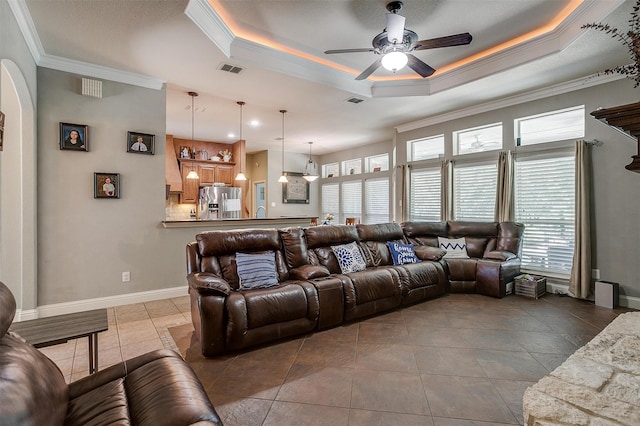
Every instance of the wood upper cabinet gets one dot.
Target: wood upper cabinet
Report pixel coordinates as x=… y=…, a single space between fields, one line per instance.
x=225 y=173
x=190 y=187
x=208 y=173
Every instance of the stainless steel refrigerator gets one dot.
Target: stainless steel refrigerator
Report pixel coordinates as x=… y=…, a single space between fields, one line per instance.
x=220 y=202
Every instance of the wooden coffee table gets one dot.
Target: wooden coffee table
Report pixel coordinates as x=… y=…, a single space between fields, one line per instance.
x=49 y=331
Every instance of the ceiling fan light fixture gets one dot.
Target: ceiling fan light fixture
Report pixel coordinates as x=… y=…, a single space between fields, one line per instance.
x=394 y=61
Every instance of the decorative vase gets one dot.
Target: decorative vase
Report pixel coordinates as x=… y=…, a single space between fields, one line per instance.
x=226 y=158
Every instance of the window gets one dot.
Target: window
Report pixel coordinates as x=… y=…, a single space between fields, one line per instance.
x=474 y=192
x=377 y=163
x=424 y=194
x=423 y=149
x=330 y=200
x=352 y=167
x=330 y=170
x=544 y=202
x=478 y=139
x=351 y=200
x=377 y=200
x=551 y=126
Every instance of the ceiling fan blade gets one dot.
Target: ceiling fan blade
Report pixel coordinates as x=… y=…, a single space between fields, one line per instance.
x=395 y=28
x=366 y=73
x=447 y=41
x=418 y=66
x=365 y=49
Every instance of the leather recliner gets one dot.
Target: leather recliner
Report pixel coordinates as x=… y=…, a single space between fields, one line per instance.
x=152 y=389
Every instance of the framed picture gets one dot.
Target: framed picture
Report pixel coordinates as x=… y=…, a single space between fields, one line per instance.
x=1 y=129
x=140 y=143
x=185 y=152
x=74 y=137
x=106 y=185
x=296 y=190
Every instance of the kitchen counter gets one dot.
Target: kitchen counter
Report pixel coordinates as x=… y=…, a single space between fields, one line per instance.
x=269 y=222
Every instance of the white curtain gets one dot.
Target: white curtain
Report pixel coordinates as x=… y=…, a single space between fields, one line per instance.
x=446 y=190
x=504 y=190
x=580 y=281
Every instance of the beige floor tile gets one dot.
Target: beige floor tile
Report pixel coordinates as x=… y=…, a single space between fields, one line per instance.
x=131 y=337
x=133 y=350
x=62 y=351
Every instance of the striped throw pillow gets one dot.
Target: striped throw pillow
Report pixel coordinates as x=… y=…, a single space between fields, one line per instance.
x=256 y=270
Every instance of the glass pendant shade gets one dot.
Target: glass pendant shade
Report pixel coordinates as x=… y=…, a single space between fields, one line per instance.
x=394 y=61
x=310 y=173
x=192 y=174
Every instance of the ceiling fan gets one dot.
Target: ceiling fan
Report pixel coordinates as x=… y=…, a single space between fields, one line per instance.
x=395 y=44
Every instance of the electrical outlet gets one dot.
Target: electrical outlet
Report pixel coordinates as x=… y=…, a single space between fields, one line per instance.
x=595 y=273
x=273 y=204
x=126 y=277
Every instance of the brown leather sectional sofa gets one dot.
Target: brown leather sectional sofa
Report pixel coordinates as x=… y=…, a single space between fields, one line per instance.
x=312 y=293
x=157 y=388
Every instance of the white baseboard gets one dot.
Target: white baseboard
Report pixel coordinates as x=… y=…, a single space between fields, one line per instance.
x=100 y=302
x=624 y=301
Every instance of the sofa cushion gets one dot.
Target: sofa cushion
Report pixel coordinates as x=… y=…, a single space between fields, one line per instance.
x=349 y=258
x=456 y=248
x=402 y=253
x=267 y=306
x=256 y=270
x=429 y=253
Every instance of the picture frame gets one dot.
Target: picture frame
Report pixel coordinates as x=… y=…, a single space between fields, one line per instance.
x=1 y=129
x=185 y=152
x=106 y=185
x=296 y=190
x=74 y=137
x=141 y=143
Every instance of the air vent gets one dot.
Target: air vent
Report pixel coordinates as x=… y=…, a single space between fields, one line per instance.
x=231 y=68
x=355 y=100
x=91 y=87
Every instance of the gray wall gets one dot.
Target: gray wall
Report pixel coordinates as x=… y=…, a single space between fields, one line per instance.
x=84 y=244
x=616 y=191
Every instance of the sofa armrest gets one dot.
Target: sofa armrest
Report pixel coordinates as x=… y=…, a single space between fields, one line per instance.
x=500 y=255
x=429 y=253
x=309 y=272
x=208 y=281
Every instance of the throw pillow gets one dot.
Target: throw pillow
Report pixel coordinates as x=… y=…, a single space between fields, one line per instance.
x=349 y=258
x=256 y=270
x=402 y=253
x=456 y=247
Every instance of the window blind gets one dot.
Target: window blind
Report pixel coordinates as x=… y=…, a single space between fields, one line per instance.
x=474 y=192
x=377 y=200
x=351 y=200
x=330 y=200
x=424 y=194
x=544 y=202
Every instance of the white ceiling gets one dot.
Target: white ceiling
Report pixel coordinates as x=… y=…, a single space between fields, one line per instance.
x=280 y=45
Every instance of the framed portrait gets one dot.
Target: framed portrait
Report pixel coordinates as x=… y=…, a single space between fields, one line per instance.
x=74 y=137
x=296 y=190
x=106 y=185
x=140 y=143
x=185 y=152
x=1 y=129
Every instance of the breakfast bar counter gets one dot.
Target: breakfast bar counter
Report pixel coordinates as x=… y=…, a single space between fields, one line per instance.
x=270 y=222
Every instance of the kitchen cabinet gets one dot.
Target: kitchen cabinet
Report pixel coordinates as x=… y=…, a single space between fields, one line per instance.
x=208 y=173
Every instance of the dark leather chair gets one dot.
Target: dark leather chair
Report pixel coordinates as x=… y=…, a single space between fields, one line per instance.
x=157 y=388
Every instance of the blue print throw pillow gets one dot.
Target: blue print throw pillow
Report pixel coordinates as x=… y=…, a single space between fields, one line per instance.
x=403 y=253
x=256 y=270
x=349 y=258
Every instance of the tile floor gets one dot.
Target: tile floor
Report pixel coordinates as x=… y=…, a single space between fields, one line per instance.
x=456 y=360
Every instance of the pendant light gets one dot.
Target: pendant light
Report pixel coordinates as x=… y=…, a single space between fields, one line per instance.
x=310 y=169
x=192 y=174
x=240 y=175
x=283 y=177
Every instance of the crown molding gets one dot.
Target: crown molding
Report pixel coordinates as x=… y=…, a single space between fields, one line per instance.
x=27 y=28
x=211 y=24
x=97 y=71
x=534 y=95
